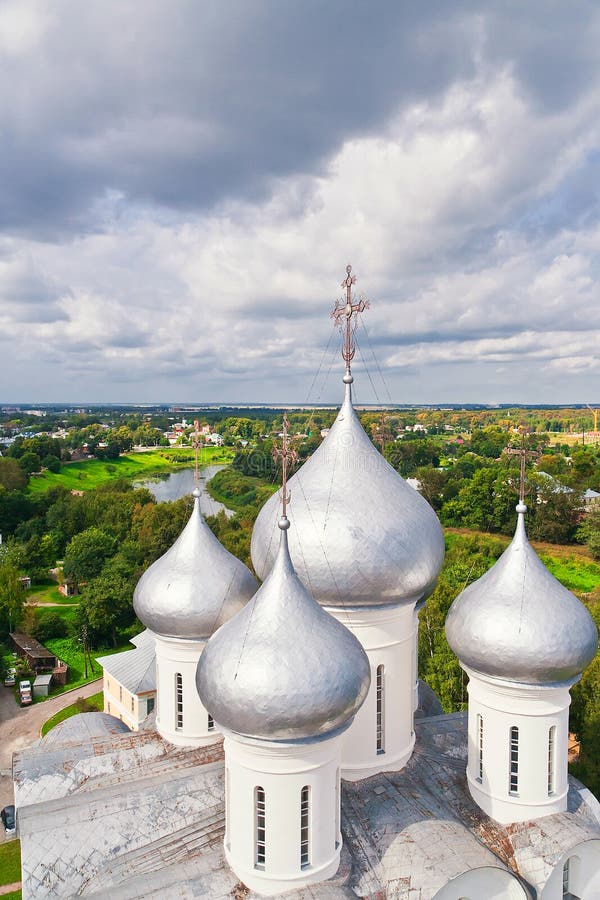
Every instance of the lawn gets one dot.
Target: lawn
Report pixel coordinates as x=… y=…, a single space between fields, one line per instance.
x=576 y=574
x=89 y=473
x=71 y=652
x=10 y=864
x=48 y=592
x=95 y=703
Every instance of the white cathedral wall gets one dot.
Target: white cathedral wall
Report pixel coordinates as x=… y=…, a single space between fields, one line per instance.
x=583 y=876
x=534 y=710
x=175 y=656
x=387 y=635
x=282 y=770
x=485 y=882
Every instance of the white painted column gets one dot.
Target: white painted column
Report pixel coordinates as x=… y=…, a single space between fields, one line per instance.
x=387 y=635
x=175 y=656
x=534 y=710
x=282 y=770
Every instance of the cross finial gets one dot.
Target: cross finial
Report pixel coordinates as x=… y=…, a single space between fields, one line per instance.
x=524 y=454
x=345 y=308
x=196 y=444
x=288 y=456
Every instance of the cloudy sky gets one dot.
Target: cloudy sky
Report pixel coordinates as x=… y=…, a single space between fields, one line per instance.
x=182 y=183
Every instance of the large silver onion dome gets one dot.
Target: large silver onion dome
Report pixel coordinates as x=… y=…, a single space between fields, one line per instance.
x=195 y=586
x=283 y=668
x=517 y=622
x=362 y=536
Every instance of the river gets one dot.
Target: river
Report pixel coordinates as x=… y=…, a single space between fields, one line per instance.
x=179 y=484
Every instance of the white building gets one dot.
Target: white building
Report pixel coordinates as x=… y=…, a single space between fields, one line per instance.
x=129 y=681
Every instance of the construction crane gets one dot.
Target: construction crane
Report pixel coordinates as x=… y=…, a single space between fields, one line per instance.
x=594 y=412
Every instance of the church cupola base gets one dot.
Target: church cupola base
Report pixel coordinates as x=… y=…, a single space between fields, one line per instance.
x=282 y=812
x=381 y=737
x=181 y=718
x=517 y=748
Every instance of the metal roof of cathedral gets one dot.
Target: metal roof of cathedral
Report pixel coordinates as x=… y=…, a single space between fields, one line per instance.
x=361 y=535
x=131 y=816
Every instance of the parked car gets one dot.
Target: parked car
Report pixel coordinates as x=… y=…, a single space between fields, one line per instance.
x=8 y=819
x=25 y=692
x=10 y=679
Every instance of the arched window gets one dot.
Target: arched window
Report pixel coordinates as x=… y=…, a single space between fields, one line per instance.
x=569 y=878
x=211 y=723
x=338 y=807
x=259 y=828
x=380 y=701
x=305 y=827
x=178 y=701
x=479 y=747
x=551 y=751
x=513 y=784
x=227 y=810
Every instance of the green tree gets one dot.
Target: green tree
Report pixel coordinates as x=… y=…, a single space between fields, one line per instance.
x=30 y=462
x=86 y=554
x=12 y=598
x=106 y=605
x=52 y=463
x=589 y=530
x=12 y=476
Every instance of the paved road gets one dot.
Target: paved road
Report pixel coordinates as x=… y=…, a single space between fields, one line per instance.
x=21 y=727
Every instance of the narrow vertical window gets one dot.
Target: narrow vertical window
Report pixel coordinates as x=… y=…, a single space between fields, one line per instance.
x=380 y=699
x=551 y=749
x=479 y=748
x=338 y=808
x=132 y=704
x=178 y=702
x=305 y=827
x=120 y=694
x=565 y=879
x=514 y=760
x=227 y=812
x=259 y=827
x=211 y=723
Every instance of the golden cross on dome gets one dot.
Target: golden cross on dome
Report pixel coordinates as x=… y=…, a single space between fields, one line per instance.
x=524 y=454
x=287 y=456
x=345 y=308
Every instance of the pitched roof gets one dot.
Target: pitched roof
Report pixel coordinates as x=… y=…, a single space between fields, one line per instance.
x=134 y=669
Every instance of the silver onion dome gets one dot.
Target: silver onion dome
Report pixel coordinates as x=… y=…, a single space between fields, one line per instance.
x=362 y=536
x=517 y=622
x=283 y=668
x=195 y=586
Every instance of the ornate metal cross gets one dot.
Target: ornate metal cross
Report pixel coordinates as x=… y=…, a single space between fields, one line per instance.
x=524 y=454
x=346 y=308
x=287 y=456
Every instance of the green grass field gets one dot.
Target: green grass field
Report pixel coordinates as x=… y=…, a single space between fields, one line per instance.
x=48 y=593
x=576 y=574
x=10 y=864
x=70 y=652
x=90 y=473
x=95 y=703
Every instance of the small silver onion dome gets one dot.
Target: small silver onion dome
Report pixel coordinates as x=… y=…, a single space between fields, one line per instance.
x=517 y=622
x=283 y=668
x=195 y=586
x=362 y=536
